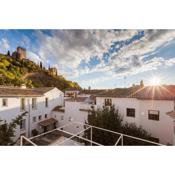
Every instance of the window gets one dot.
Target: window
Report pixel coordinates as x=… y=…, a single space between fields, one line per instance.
x=130 y=112
x=4 y=102
x=22 y=104
x=70 y=119
x=62 y=117
x=108 y=102
x=34 y=103
x=153 y=114
x=46 y=102
x=92 y=107
x=23 y=124
x=45 y=115
x=39 y=117
x=34 y=119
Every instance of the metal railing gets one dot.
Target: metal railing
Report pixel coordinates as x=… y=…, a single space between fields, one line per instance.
x=119 y=141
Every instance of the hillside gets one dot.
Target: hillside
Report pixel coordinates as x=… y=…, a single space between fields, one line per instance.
x=15 y=71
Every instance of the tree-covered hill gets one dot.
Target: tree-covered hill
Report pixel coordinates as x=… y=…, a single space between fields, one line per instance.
x=15 y=71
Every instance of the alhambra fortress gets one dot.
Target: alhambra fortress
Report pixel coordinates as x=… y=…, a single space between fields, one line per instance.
x=20 y=53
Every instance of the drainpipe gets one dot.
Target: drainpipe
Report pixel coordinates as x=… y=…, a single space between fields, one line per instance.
x=28 y=102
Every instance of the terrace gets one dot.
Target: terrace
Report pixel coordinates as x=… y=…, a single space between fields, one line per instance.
x=65 y=136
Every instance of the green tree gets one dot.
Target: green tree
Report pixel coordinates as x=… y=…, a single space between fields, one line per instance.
x=132 y=130
x=111 y=119
x=41 y=65
x=7 y=130
x=8 y=53
x=107 y=119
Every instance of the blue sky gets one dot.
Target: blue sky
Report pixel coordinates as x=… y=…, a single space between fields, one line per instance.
x=99 y=58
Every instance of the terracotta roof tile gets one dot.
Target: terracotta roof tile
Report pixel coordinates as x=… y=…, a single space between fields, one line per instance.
x=58 y=109
x=166 y=92
x=156 y=93
x=171 y=114
x=48 y=122
x=77 y=99
x=17 y=91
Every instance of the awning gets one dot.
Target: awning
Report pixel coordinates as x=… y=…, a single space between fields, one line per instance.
x=171 y=114
x=48 y=122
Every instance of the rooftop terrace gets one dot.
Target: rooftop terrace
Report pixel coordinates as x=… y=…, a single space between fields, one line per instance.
x=65 y=136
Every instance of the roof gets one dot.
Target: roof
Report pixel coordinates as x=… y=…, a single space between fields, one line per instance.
x=72 y=89
x=118 y=92
x=166 y=92
x=77 y=99
x=171 y=114
x=43 y=89
x=6 y=91
x=156 y=93
x=58 y=109
x=48 y=122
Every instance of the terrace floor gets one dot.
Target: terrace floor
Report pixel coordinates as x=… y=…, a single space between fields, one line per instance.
x=63 y=136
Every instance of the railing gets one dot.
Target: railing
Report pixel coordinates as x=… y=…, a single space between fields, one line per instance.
x=119 y=141
x=23 y=138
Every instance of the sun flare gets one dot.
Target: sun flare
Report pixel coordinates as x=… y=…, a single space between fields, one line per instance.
x=155 y=81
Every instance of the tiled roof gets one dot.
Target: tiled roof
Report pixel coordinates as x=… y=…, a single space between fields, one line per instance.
x=18 y=92
x=149 y=92
x=58 y=109
x=171 y=114
x=44 y=89
x=48 y=122
x=77 y=99
x=156 y=93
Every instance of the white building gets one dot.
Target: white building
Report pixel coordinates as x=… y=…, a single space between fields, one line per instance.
x=38 y=102
x=152 y=108
x=75 y=110
x=71 y=92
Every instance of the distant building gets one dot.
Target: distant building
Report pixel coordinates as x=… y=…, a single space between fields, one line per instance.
x=71 y=92
x=19 y=53
x=53 y=71
x=152 y=108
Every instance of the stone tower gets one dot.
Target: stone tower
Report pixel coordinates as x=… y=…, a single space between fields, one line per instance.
x=19 y=53
x=53 y=71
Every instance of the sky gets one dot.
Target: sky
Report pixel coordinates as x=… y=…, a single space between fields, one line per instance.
x=99 y=58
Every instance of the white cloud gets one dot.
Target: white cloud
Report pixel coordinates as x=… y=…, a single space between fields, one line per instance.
x=33 y=56
x=151 y=41
x=69 y=47
x=4 y=45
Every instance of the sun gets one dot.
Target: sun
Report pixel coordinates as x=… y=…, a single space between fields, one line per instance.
x=155 y=81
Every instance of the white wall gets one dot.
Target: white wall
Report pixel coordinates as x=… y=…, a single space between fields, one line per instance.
x=162 y=129
x=72 y=110
x=11 y=111
x=55 y=98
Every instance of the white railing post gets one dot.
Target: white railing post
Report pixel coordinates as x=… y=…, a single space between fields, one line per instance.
x=21 y=141
x=91 y=136
x=122 y=140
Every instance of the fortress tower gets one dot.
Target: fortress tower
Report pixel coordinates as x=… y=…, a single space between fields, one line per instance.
x=19 y=53
x=53 y=71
